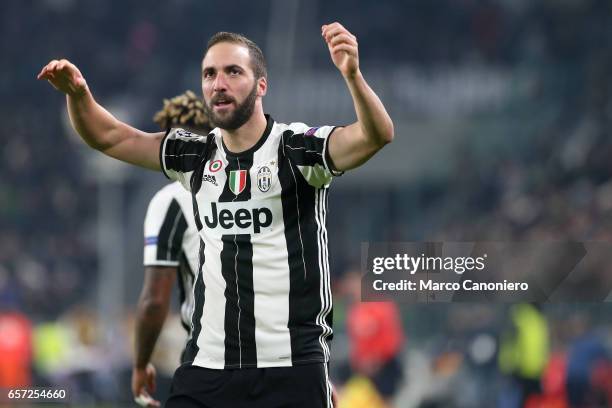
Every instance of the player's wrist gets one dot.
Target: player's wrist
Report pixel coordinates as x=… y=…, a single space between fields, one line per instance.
x=138 y=366
x=353 y=75
x=79 y=92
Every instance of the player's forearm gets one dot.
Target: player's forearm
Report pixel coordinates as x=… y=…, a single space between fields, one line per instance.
x=98 y=127
x=150 y=319
x=372 y=117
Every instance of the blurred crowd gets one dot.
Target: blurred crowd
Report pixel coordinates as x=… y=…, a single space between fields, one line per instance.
x=535 y=168
x=419 y=356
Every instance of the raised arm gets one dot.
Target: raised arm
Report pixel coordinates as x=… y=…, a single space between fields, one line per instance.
x=98 y=127
x=353 y=145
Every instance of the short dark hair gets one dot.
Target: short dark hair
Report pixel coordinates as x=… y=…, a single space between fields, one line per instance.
x=258 y=62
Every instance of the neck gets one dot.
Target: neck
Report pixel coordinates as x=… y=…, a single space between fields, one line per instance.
x=247 y=135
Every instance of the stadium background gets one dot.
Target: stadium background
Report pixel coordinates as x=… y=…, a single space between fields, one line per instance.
x=502 y=112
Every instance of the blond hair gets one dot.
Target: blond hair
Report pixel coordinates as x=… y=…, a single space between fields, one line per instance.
x=185 y=111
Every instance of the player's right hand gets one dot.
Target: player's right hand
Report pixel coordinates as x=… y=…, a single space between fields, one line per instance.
x=64 y=76
x=143 y=383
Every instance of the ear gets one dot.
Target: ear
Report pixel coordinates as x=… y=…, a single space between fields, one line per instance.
x=262 y=86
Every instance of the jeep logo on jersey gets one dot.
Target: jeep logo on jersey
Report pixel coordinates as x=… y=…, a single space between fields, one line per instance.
x=239 y=219
x=237 y=181
x=264 y=179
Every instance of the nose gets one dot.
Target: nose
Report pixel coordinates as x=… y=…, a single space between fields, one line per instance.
x=220 y=84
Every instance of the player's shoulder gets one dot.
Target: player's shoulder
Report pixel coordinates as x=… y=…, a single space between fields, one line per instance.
x=186 y=135
x=299 y=130
x=293 y=127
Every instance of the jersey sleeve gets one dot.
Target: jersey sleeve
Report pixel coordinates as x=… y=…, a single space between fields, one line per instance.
x=180 y=153
x=308 y=150
x=164 y=229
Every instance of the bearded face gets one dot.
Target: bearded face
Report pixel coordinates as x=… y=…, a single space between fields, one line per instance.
x=227 y=113
x=229 y=85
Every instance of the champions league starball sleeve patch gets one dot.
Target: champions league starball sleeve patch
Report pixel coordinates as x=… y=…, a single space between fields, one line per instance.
x=311 y=131
x=151 y=240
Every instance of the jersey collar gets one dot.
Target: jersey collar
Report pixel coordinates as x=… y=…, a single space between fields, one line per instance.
x=260 y=142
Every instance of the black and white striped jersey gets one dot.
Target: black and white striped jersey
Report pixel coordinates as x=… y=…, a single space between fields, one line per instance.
x=171 y=239
x=262 y=294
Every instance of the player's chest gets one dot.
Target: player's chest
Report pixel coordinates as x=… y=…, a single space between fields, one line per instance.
x=240 y=196
x=240 y=179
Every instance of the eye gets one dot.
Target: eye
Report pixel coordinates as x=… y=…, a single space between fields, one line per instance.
x=234 y=71
x=207 y=74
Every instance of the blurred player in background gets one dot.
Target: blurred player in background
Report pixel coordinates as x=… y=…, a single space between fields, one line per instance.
x=262 y=317
x=170 y=252
x=15 y=349
x=374 y=372
x=523 y=354
x=589 y=365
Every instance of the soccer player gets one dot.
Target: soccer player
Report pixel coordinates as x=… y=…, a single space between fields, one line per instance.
x=262 y=316
x=170 y=253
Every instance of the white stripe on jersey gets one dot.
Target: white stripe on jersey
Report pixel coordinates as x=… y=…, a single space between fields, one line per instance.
x=325 y=292
x=272 y=337
x=212 y=335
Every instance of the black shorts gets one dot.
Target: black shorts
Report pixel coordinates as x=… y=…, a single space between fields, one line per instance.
x=299 y=386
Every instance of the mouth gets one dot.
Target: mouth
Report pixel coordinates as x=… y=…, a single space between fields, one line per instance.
x=222 y=103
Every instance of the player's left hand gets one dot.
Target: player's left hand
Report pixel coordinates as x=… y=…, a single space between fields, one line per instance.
x=143 y=382
x=342 y=47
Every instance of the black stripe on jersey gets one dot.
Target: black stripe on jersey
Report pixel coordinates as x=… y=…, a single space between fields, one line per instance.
x=305 y=303
x=181 y=155
x=305 y=150
x=192 y=346
x=237 y=270
x=170 y=237
x=184 y=279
